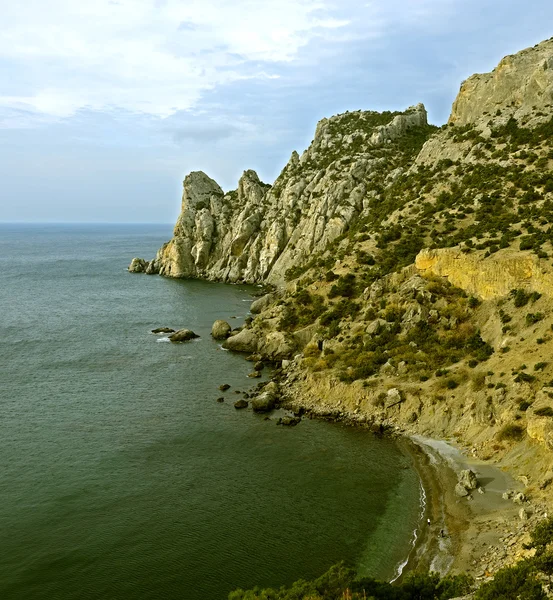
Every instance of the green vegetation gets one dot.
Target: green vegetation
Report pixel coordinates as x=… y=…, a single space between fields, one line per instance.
x=546 y=411
x=511 y=432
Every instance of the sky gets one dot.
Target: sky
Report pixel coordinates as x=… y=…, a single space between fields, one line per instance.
x=105 y=106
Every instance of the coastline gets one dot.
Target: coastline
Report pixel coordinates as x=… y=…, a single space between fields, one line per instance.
x=481 y=533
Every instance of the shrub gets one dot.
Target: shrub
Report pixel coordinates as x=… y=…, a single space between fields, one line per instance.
x=540 y=366
x=511 y=432
x=520 y=298
x=524 y=406
x=532 y=318
x=512 y=582
x=546 y=411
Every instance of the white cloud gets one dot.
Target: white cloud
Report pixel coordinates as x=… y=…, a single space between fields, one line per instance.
x=150 y=56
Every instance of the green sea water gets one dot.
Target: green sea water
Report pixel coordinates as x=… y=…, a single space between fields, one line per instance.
x=123 y=478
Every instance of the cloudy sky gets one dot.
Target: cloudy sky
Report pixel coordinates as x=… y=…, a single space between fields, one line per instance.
x=106 y=105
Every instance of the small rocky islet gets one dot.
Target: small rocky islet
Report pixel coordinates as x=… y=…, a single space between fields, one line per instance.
x=409 y=277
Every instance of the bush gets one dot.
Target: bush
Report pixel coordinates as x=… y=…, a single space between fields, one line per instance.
x=512 y=582
x=511 y=432
x=546 y=411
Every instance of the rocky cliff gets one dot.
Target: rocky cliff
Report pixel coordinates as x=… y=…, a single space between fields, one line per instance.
x=257 y=232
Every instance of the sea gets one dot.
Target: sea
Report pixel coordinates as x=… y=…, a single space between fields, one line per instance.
x=122 y=477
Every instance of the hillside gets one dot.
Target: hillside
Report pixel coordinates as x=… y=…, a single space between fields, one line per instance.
x=410 y=265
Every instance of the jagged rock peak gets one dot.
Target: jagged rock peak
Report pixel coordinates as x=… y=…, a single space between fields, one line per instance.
x=370 y=128
x=520 y=84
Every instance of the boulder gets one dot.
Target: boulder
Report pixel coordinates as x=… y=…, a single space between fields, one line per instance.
x=519 y=498
x=277 y=346
x=265 y=402
x=138 y=265
x=183 y=335
x=254 y=374
x=468 y=480
x=221 y=399
x=241 y=404
x=224 y=387
x=261 y=304
x=220 y=330
x=461 y=490
x=243 y=341
x=163 y=330
x=259 y=366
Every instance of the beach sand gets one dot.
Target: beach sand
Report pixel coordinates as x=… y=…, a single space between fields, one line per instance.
x=461 y=530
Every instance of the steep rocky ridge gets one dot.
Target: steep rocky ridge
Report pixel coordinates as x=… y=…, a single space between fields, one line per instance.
x=258 y=232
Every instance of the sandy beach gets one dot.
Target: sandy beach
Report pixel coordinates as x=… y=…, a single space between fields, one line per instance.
x=464 y=534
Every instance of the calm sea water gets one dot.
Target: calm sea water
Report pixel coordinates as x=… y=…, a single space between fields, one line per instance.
x=122 y=477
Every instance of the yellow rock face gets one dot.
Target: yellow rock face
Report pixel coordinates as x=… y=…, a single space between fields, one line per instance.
x=488 y=278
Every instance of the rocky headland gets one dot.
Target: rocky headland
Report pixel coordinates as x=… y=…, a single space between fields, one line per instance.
x=411 y=285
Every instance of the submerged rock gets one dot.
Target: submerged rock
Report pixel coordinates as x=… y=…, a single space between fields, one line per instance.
x=220 y=330
x=288 y=421
x=183 y=335
x=220 y=399
x=241 y=404
x=163 y=330
x=224 y=387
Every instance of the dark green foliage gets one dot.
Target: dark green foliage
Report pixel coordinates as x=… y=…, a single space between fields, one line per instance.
x=542 y=535
x=451 y=384
x=524 y=405
x=473 y=302
x=520 y=298
x=532 y=318
x=345 y=286
x=540 y=366
x=511 y=432
x=512 y=583
x=524 y=377
x=546 y=411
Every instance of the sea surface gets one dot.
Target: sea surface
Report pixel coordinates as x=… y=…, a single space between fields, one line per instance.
x=121 y=477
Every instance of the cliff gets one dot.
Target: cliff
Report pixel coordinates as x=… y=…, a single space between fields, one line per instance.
x=257 y=232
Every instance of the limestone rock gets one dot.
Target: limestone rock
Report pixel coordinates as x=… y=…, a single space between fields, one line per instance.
x=183 y=335
x=220 y=330
x=461 y=490
x=244 y=341
x=519 y=84
x=467 y=478
x=138 y=265
x=261 y=304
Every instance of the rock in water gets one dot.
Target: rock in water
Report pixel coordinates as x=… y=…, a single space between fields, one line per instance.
x=183 y=335
x=468 y=479
x=138 y=265
x=288 y=421
x=265 y=402
x=163 y=330
x=241 y=404
x=220 y=330
x=224 y=387
x=244 y=341
x=254 y=374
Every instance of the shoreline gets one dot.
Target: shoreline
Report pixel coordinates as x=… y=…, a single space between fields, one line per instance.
x=476 y=528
